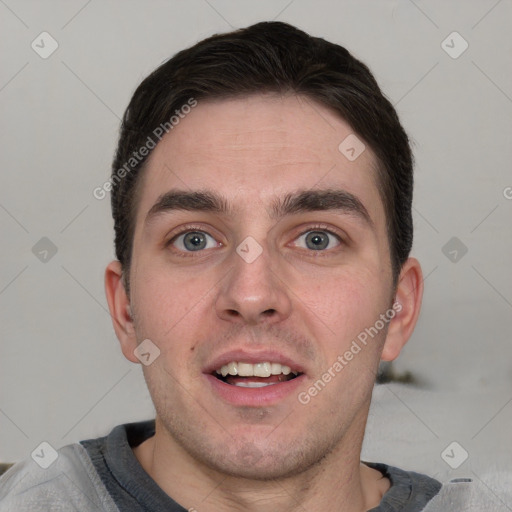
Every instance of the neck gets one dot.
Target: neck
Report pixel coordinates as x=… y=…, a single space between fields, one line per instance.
x=339 y=482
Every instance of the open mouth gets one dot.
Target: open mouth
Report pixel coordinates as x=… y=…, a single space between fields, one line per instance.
x=257 y=375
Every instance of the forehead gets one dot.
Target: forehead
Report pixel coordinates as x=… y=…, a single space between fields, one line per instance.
x=254 y=149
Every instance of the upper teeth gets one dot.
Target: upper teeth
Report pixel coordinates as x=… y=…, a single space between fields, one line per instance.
x=254 y=370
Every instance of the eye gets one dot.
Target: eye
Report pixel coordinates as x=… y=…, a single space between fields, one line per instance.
x=193 y=241
x=317 y=240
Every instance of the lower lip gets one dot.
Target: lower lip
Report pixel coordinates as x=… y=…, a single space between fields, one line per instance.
x=254 y=397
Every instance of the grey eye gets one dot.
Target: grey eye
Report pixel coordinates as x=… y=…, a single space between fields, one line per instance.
x=318 y=240
x=194 y=241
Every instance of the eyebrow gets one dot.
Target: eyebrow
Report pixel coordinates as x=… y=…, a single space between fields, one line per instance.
x=292 y=203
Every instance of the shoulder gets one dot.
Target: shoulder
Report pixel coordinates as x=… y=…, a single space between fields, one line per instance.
x=69 y=482
x=491 y=491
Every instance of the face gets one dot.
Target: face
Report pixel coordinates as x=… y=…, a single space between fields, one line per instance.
x=258 y=242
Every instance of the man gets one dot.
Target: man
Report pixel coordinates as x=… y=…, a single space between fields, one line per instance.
x=261 y=193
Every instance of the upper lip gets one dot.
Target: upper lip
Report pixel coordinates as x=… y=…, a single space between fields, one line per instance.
x=253 y=357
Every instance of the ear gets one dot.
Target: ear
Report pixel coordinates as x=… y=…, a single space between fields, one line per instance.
x=407 y=305
x=119 y=305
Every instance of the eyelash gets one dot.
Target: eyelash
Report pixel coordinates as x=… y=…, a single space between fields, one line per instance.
x=191 y=228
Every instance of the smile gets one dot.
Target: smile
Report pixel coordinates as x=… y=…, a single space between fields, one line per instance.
x=257 y=375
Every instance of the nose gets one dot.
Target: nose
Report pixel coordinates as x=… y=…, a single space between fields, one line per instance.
x=253 y=292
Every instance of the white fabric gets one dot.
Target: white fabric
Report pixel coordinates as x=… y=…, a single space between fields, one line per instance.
x=70 y=483
x=495 y=495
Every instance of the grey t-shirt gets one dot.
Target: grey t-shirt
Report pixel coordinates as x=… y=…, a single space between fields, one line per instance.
x=103 y=474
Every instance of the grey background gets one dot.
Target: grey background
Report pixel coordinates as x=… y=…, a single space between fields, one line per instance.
x=62 y=375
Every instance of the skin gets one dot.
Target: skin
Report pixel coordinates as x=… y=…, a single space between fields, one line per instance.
x=195 y=305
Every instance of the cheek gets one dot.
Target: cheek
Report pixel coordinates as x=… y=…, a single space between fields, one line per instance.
x=165 y=303
x=342 y=306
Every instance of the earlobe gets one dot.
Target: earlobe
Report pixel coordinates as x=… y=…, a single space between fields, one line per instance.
x=120 y=309
x=408 y=298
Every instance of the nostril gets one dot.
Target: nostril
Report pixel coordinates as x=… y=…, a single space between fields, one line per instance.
x=269 y=312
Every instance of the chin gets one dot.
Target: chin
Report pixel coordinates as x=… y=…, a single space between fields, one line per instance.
x=249 y=462
x=262 y=470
